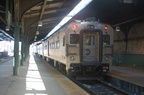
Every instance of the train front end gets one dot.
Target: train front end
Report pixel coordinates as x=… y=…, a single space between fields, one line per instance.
x=95 y=49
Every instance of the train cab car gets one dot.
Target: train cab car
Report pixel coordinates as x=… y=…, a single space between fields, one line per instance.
x=81 y=48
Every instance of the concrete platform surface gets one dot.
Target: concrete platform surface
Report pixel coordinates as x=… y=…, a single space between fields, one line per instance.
x=132 y=75
x=36 y=77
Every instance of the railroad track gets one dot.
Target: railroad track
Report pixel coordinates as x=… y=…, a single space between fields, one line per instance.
x=97 y=86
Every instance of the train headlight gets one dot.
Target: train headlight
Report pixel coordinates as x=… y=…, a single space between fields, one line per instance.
x=106 y=58
x=72 y=58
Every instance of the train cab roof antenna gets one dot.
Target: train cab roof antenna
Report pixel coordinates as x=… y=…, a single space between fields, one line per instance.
x=90 y=19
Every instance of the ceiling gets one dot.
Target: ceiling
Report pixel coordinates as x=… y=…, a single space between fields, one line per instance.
x=122 y=13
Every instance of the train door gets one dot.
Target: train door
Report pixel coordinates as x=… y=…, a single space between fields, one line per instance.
x=91 y=47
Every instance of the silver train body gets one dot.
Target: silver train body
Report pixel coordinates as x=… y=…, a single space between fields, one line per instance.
x=80 y=48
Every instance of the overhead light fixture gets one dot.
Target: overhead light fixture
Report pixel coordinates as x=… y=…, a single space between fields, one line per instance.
x=49 y=0
x=40 y=23
x=35 y=37
x=126 y=1
x=37 y=32
x=7 y=28
x=117 y=28
x=78 y=8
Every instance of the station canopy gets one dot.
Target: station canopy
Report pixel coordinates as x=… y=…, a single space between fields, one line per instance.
x=38 y=17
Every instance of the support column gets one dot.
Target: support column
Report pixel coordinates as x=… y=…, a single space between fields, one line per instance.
x=22 y=49
x=27 y=49
x=16 y=49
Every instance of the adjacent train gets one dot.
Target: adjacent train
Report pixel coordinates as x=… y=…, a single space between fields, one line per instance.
x=81 y=48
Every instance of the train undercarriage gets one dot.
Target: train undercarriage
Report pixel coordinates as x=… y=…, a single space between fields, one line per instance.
x=79 y=70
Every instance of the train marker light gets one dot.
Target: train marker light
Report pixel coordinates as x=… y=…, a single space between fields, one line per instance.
x=74 y=26
x=105 y=27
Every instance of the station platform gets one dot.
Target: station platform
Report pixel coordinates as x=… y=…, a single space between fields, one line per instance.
x=129 y=74
x=36 y=77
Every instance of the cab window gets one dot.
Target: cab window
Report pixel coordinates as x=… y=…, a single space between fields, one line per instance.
x=90 y=40
x=74 y=38
x=106 y=39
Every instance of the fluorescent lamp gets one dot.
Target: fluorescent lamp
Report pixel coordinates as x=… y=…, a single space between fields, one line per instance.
x=40 y=23
x=49 y=0
x=7 y=28
x=59 y=25
x=117 y=28
x=77 y=9
x=37 y=32
x=127 y=1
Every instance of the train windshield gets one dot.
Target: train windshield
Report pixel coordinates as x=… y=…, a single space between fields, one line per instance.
x=91 y=46
x=74 y=38
x=89 y=40
x=106 y=39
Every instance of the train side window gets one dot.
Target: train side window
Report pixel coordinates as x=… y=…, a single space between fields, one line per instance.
x=53 y=45
x=57 y=44
x=74 y=38
x=106 y=39
x=50 y=45
x=45 y=47
x=90 y=40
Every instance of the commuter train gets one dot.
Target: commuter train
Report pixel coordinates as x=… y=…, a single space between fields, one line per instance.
x=81 y=48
